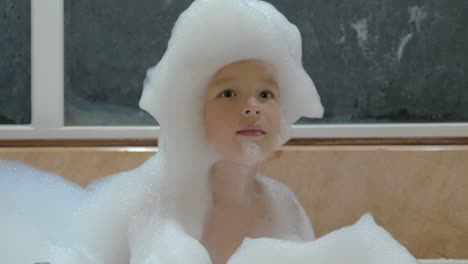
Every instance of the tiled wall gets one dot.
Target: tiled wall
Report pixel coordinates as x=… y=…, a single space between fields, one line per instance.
x=419 y=194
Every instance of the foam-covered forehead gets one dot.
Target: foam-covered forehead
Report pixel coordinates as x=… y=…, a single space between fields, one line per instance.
x=213 y=33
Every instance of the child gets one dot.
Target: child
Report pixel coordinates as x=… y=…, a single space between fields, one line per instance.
x=242 y=119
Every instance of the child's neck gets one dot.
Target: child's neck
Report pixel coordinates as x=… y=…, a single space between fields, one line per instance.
x=233 y=183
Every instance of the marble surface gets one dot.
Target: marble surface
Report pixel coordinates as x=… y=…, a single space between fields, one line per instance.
x=417 y=193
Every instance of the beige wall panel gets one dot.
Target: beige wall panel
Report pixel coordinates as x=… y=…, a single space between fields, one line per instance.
x=81 y=165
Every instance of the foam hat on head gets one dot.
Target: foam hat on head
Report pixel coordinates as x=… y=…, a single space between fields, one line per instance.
x=213 y=33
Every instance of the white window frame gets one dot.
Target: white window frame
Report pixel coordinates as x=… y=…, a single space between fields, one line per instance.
x=47 y=98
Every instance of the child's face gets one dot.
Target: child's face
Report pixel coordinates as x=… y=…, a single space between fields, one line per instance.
x=242 y=111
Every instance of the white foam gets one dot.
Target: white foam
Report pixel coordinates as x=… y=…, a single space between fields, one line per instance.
x=35 y=207
x=156 y=212
x=252 y=152
x=364 y=242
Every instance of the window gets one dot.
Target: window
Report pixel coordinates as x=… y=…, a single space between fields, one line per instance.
x=383 y=69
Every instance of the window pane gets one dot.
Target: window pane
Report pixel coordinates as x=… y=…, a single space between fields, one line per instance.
x=372 y=61
x=109 y=45
x=15 y=62
x=385 y=61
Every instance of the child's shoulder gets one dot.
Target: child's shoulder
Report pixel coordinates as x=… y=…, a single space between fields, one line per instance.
x=285 y=203
x=279 y=195
x=274 y=187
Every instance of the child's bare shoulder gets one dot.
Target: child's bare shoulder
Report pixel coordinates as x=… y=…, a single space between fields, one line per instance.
x=276 y=189
x=285 y=201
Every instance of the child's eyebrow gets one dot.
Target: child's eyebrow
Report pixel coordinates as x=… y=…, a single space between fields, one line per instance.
x=223 y=80
x=271 y=82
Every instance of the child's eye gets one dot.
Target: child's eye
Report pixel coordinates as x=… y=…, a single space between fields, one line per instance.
x=227 y=93
x=266 y=94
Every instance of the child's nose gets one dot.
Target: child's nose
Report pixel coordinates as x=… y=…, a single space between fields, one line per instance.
x=251 y=108
x=251 y=112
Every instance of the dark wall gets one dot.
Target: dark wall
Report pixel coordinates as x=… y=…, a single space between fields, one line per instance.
x=372 y=61
x=15 y=62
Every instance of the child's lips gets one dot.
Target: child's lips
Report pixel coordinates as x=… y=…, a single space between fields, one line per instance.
x=252 y=131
